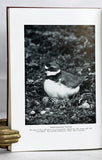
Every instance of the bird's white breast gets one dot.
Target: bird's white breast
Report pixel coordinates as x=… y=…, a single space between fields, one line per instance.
x=57 y=89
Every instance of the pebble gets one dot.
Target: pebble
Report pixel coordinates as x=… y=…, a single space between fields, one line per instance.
x=37 y=103
x=32 y=64
x=85 y=105
x=89 y=69
x=45 y=100
x=62 y=107
x=55 y=100
x=51 y=113
x=42 y=112
x=32 y=112
x=27 y=118
x=47 y=109
x=30 y=81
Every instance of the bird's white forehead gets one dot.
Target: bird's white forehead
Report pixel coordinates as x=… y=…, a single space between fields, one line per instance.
x=46 y=67
x=50 y=73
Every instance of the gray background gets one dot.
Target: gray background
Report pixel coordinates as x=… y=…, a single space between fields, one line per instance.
x=3 y=36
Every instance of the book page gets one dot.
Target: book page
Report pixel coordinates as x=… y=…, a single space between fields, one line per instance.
x=55 y=78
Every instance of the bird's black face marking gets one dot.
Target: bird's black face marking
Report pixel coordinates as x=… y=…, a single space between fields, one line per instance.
x=51 y=67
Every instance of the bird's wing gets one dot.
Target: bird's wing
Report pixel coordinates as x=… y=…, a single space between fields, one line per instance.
x=71 y=80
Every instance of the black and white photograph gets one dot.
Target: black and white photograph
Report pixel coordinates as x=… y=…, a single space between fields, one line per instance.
x=59 y=74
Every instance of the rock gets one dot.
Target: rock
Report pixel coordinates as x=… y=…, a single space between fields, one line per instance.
x=38 y=81
x=45 y=100
x=32 y=113
x=42 y=112
x=47 y=109
x=71 y=64
x=74 y=117
x=89 y=69
x=51 y=113
x=80 y=72
x=61 y=113
x=55 y=100
x=27 y=119
x=91 y=74
x=29 y=81
x=62 y=107
x=84 y=53
x=85 y=105
x=32 y=64
x=37 y=103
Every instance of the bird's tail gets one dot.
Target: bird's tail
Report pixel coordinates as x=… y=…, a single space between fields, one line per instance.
x=83 y=79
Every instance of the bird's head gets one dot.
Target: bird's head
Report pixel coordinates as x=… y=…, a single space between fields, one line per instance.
x=52 y=69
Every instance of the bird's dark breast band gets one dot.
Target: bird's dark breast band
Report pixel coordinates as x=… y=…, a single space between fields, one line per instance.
x=55 y=77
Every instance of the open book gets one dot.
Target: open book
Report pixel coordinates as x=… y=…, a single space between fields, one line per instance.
x=54 y=78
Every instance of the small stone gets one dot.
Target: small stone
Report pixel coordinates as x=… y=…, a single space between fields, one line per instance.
x=74 y=117
x=62 y=107
x=47 y=109
x=61 y=113
x=51 y=113
x=37 y=103
x=89 y=69
x=55 y=100
x=30 y=81
x=85 y=53
x=80 y=72
x=32 y=64
x=91 y=74
x=42 y=112
x=45 y=100
x=27 y=119
x=85 y=105
x=32 y=112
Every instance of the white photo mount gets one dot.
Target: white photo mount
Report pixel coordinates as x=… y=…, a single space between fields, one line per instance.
x=32 y=137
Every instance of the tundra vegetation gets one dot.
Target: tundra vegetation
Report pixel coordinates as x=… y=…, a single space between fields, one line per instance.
x=73 y=48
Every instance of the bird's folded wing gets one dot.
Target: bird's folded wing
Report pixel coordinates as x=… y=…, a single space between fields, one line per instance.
x=71 y=80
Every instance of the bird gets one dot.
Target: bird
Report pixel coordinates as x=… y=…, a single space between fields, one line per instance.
x=59 y=83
